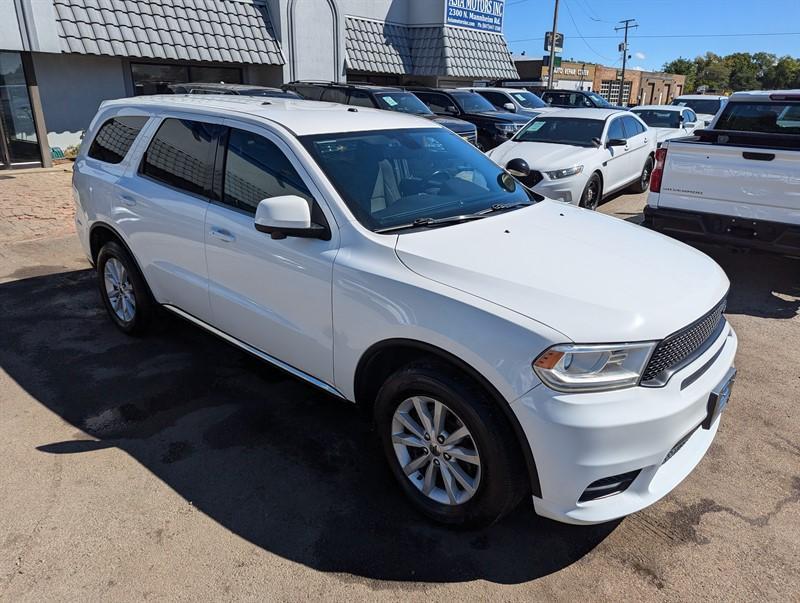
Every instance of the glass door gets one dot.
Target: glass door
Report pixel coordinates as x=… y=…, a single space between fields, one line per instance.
x=19 y=146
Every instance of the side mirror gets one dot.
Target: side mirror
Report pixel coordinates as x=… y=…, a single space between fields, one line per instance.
x=288 y=216
x=451 y=110
x=518 y=168
x=511 y=107
x=616 y=142
x=707 y=122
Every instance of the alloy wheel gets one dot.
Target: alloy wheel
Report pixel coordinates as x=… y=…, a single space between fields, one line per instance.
x=436 y=450
x=119 y=290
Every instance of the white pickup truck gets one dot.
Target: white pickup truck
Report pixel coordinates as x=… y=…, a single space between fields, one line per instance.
x=736 y=183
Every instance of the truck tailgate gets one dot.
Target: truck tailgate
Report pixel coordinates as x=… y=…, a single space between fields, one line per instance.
x=748 y=182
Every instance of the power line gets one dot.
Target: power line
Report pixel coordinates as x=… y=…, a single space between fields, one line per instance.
x=731 y=35
x=589 y=46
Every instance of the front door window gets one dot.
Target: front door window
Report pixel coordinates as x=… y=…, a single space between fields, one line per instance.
x=19 y=145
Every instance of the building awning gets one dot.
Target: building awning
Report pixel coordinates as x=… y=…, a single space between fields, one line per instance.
x=379 y=47
x=193 y=30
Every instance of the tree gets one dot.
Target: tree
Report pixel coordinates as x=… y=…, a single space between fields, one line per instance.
x=743 y=71
x=712 y=72
x=681 y=66
x=785 y=73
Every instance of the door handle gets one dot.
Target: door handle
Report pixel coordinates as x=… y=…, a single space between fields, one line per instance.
x=221 y=234
x=127 y=200
x=758 y=156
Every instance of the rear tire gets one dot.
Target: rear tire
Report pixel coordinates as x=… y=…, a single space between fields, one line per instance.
x=458 y=460
x=592 y=193
x=123 y=290
x=643 y=183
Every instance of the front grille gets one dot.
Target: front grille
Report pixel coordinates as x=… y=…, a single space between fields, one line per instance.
x=607 y=486
x=470 y=138
x=674 y=351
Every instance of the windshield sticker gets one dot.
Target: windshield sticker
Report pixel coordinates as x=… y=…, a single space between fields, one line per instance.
x=519 y=96
x=535 y=126
x=389 y=101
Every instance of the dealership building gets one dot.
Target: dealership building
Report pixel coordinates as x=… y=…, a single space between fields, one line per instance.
x=59 y=59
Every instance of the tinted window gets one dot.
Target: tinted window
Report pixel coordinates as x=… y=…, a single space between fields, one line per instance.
x=309 y=92
x=659 y=118
x=632 y=126
x=472 y=103
x=438 y=103
x=335 y=95
x=772 y=118
x=181 y=154
x=392 y=177
x=709 y=106
x=360 y=99
x=615 y=129
x=256 y=169
x=496 y=98
x=115 y=138
x=562 y=130
x=528 y=100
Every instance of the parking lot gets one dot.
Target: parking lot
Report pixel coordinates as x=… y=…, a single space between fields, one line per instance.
x=175 y=466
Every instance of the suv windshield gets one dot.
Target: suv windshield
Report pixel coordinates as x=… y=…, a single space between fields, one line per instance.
x=598 y=100
x=656 y=118
x=528 y=100
x=709 y=106
x=562 y=130
x=390 y=178
x=472 y=102
x=405 y=102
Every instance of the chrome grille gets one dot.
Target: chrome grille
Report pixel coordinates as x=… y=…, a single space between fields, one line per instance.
x=470 y=138
x=673 y=351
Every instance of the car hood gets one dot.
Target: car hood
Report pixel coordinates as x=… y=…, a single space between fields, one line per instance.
x=542 y=156
x=592 y=277
x=451 y=123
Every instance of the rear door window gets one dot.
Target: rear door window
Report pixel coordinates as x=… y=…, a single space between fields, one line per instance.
x=335 y=95
x=438 y=103
x=181 y=155
x=115 y=138
x=309 y=92
x=359 y=98
x=496 y=98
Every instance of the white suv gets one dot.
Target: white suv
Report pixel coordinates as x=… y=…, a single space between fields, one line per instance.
x=505 y=344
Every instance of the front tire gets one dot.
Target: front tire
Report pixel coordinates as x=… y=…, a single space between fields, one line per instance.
x=123 y=290
x=450 y=448
x=592 y=193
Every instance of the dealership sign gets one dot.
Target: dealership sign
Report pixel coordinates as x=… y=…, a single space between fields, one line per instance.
x=482 y=15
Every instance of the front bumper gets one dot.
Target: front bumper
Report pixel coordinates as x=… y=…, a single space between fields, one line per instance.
x=569 y=189
x=774 y=237
x=578 y=439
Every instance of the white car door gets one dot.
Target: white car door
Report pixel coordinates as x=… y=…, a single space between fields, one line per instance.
x=615 y=167
x=161 y=206
x=273 y=294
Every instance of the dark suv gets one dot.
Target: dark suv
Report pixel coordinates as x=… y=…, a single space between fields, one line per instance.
x=494 y=127
x=221 y=88
x=577 y=99
x=379 y=97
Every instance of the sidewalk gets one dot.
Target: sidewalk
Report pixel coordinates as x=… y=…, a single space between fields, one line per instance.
x=35 y=204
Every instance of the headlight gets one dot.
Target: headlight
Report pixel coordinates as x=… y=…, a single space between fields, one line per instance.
x=593 y=368
x=507 y=130
x=570 y=171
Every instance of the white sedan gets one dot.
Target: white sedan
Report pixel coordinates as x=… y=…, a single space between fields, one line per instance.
x=581 y=155
x=668 y=121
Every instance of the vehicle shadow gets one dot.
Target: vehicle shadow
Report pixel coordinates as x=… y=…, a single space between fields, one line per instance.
x=270 y=458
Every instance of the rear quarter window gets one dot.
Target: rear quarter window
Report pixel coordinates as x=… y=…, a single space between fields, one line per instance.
x=115 y=138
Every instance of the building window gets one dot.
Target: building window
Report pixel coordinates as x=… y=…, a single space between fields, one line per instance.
x=156 y=78
x=610 y=90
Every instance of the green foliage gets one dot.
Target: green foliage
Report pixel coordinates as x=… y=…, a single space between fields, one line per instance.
x=737 y=71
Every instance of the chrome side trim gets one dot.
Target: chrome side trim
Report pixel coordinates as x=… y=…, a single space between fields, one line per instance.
x=256 y=352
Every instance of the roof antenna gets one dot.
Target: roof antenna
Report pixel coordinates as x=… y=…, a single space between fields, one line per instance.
x=352 y=110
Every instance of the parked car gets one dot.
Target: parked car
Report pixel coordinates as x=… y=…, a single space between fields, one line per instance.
x=234 y=89
x=668 y=121
x=737 y=182
x=577 y=99
x=358 y=251
x=381 y=97
x=494 y=127
x=581 y=155
x=514 y=100
x=706 y=106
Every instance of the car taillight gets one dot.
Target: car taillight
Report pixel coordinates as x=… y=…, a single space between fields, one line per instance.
x=658 y=170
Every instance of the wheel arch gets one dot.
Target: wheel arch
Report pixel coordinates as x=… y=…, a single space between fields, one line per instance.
x=385 y=357
x=101 y=233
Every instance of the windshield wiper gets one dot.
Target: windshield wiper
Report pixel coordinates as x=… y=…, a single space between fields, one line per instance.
x=500 y=207
x=432 y=222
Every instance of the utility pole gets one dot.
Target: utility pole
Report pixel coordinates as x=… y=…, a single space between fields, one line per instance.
x=551 y=66
x=626 y=25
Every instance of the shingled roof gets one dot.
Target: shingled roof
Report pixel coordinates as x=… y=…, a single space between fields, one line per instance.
x=380 y=47
x=196 y=30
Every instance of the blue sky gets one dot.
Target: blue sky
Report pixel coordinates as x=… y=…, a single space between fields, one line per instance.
x=703 y=20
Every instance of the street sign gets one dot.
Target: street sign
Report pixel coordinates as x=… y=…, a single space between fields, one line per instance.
x=559 y=41
x=556 y=60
